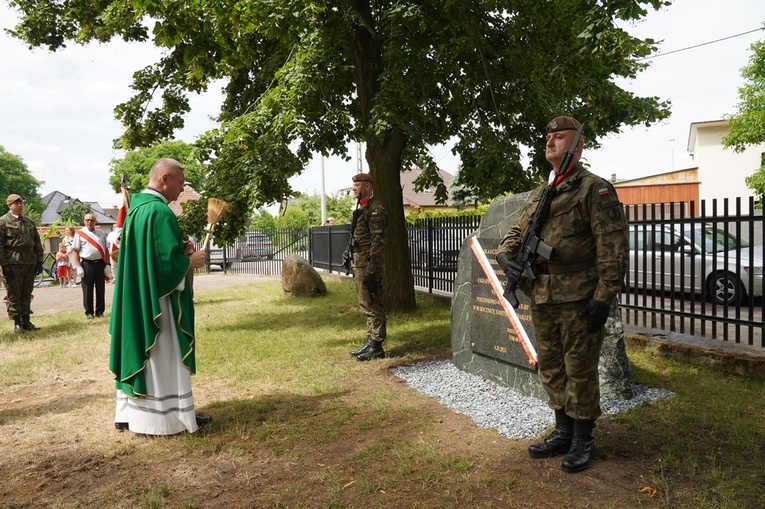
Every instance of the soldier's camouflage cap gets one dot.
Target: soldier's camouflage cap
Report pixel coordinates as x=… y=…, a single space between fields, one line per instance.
x=13 y=198
x=363 y=177
x=563 y=124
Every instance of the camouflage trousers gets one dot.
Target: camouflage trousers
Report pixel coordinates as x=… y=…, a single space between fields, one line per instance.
x=19 y=285
x=371 y=304
x=568 y=358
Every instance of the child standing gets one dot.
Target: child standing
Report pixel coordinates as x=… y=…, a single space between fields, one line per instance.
x=62 y=266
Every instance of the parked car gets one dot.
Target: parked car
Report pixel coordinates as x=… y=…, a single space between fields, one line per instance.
x=692 y=256
x=445 y=251
x=257 y=246
x=215 y=254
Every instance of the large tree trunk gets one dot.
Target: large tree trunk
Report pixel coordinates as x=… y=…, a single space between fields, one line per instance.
x=383 y=154
x=384 y=158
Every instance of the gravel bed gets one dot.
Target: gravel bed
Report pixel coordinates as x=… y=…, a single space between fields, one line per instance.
x=490 y=405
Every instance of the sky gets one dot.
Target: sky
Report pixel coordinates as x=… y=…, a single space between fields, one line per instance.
x=56 y=109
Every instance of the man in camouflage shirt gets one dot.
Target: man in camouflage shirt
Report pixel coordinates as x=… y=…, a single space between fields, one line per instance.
x=21 y=256
x=571 y=296
x=368 y=252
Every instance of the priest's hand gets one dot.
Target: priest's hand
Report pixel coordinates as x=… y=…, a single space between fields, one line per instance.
x=198 y=259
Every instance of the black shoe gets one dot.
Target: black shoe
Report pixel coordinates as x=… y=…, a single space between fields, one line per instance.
x=558 y=442
x=375 y=351
x=29 y=326
x=582 y=448
x=203 y=420
x=99 y=315
x=121 y=426
x=580 y=455
x=89 y=316
x=363 y=349
x=18 y=328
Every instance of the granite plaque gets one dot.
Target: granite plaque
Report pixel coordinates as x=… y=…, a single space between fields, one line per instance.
x=491 y=330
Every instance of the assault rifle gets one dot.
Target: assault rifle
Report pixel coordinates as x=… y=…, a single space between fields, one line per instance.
x=348 y=253
x=532 y=245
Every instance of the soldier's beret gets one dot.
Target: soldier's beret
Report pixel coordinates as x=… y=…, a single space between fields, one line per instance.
x=13 y=198
x=563 y=124
x=363 y=177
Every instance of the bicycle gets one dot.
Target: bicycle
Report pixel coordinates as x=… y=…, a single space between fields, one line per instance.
x=49 y=272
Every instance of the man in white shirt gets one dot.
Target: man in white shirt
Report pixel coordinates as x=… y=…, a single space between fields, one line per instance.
x=91 y=258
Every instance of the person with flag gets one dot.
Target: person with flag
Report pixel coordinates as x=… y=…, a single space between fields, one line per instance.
x=93 y=265
x=114 y=236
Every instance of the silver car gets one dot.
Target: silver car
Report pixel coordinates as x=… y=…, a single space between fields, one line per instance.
x=695 y=257
x=257 y=246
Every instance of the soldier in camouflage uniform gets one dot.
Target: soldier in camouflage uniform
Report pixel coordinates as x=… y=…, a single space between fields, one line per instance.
x=21 y=256
x=571 y=296
x=368 y=254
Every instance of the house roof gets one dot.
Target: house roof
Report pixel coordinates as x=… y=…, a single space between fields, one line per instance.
x=187 y=194
x=56 y=201
x=426 y=198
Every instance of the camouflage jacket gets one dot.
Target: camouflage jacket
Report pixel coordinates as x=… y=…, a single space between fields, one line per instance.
x=586 y=226
x=369 y=237
x=19 y=241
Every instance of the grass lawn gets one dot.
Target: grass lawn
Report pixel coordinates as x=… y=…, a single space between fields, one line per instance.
x=298 y=422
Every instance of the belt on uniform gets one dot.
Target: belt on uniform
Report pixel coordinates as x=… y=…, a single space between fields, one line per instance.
x=564 y=268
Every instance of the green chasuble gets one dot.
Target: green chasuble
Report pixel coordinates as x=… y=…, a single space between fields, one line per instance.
x=151 y=265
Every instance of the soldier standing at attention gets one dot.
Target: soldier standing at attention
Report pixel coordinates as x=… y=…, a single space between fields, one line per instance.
x=368 y=253
x=571 y=296
x=21 y=256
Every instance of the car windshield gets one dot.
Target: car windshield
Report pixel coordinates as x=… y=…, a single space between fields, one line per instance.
x=715 y=240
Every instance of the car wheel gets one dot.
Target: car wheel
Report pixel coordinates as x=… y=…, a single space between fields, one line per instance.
x=726 y=289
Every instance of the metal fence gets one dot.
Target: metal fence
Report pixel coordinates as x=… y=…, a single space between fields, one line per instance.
x=694 y=271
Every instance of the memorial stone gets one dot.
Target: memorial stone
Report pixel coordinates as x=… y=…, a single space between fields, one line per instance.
x=483 y=339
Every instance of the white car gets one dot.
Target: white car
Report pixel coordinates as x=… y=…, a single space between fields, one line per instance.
x=694 y=258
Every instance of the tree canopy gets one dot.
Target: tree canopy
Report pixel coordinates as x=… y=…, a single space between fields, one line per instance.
x=747 y=124
x=135 y=166
x=75 y=212
x=15 y=178
x=306 y=76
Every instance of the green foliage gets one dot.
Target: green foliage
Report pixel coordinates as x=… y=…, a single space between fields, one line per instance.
x=339 y=206
x=294 y=218
x=747 y=125
x=307 y=77
x=479 y=211
x=47 y=235
x=262 y=220
x=74 y=213
x=16 y=179
x=136 y=164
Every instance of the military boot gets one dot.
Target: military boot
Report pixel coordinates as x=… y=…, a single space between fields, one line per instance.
x=363 y=349
x=557 y=442
x=582 y=448
x=18 y=325
x=27 y=324
x=375 y=351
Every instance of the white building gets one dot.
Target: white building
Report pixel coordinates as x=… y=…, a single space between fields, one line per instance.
x=721 y=171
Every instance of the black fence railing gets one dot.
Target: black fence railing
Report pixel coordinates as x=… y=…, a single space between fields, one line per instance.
x=694 y=271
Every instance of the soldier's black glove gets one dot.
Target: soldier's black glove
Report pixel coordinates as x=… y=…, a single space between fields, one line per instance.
x=372 y=282
x=596 y=313
x=7 y=271
x=38 y=268
x=513 y=270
